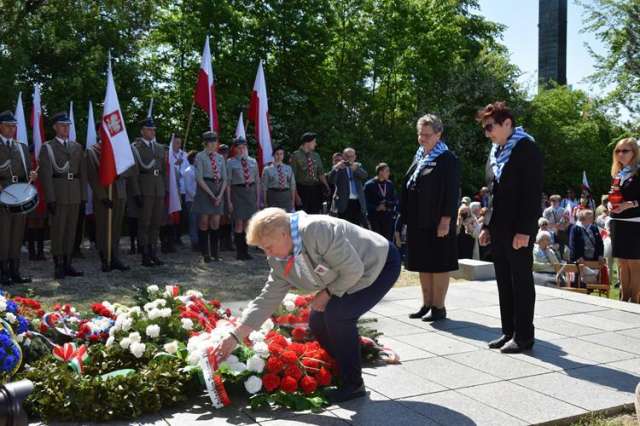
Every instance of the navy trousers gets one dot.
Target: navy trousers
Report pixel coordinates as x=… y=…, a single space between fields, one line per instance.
x=337 y=327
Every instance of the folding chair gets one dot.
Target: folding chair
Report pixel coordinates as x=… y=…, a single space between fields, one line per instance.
x=567 y=273
x=602 y=283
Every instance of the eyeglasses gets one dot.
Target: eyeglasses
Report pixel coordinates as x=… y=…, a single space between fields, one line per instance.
x=488 y=127
x=622 y=151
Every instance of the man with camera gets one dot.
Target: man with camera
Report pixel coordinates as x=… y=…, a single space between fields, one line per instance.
x=348 y=201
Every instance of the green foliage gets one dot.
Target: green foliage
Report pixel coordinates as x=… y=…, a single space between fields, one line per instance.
x=294 y=401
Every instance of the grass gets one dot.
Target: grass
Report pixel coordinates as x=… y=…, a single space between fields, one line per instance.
x=627 y=418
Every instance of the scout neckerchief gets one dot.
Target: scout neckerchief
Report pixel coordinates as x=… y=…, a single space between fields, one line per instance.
x=281 y=181
x=245 y=170
x=214 y=166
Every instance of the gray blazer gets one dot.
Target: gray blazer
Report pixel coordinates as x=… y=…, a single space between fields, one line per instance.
x=336 y=255
x=340 y=179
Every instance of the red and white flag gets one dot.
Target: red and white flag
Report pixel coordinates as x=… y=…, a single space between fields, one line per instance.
x=36 y=122
x=116 y=156
x=259 y=115
x=173 y=205
x=240 y=128
x=585 y=182
x=72 y=126
x=205 y=93
x=21 y=128
x=92 y=139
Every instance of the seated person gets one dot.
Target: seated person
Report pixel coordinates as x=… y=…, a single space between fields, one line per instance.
x=585 y=242
x=544 y=257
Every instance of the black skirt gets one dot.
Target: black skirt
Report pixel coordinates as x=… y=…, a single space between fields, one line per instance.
x=428 y=253
x=625 y=239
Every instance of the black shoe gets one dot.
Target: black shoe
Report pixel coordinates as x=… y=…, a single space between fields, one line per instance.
x=346 y=393
x=152 y=256
x=422 y=312
x=499 y=342
x=58 y=262
x=146 y=257
x=238 y=238
x=104 y=265
x=118 y=265
x=214 y=244
x=5 y=276
x=14 y=271
x=245 y=248
x=436 y=314
x=203 y=242
x=515 y=347
x=69 y=270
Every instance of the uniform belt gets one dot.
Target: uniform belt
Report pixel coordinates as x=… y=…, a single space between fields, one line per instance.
x=155 y=172
x=208 y=179
x=244 y=184
x=310 y=184
x=67 y=176
x=14 y=179
x=279 y=189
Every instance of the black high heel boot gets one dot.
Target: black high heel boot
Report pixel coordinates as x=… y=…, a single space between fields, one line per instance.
x=424 y=310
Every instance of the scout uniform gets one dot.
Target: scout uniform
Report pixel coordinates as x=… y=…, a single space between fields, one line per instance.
x=307 y=168
x=101 y=206
x=243 y=180
x=279 y=182
x=64 y=180
x=151 y=169
x=14 y=168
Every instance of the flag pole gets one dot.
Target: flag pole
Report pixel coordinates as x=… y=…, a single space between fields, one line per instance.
x=109 y=230
x=186 y=133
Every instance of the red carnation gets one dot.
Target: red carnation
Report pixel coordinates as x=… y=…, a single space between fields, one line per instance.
x=282 y=319
x=57 y=307
x=289 y=384
x=43 y=327
x=278 y=339
x=298 y=348
x=274 y=365
x=304 y=315
x=308 y=384
x=298 y=334
x=323 y=377
x=292 y=319
x=275 y=348
x=310 y=363
x=289 y=357
x=270 y=382
x=300 y=302
x=293 y=371
x=215 y=303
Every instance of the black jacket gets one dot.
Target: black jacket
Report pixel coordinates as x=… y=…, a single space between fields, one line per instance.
x=576 y=243
x=630 y=192
x=515 y=200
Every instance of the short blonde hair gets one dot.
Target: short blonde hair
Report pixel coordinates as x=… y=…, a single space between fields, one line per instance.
x=583 y=213
x=265 y=222
x=631 y=143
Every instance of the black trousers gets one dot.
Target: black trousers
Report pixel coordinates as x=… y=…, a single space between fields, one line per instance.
x=312 y=198
x=353 y=213
x=516 y=290
x=337 y=327
x=382 y=223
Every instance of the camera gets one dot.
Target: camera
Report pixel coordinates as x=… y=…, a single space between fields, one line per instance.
x=11 y=397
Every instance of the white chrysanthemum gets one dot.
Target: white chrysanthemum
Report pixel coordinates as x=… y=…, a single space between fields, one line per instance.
x=11 y=318
x=153 y=331
x=3 y=304
x=256 y=336
x=20 y=337
x=253 y=384
x=137 y=349
x=153 y=289
x=160 y=302
x=165 y=312
x=262 y=349
x=195 y=293
x=171 y=347
x=135 y=310
x=110 y=341
x=135 y=337
x=125 y=343
x=289 y=305
x=154 y=314
x=267 y=326
x=187 y=324
x=148 y=307
x=255 y=363
x=238 y=367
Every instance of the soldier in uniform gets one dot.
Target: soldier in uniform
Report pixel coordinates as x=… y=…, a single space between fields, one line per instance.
x=14 y=168
x=151 y=168
x=102 y=205
x=311 y=182
x=279 y=182
x=63 y=175
x=244 y=181
x=211 y=176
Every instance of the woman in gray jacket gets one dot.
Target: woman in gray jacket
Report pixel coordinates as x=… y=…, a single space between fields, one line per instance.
x=349 y=269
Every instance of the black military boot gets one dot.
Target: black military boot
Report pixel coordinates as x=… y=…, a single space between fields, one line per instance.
x=14 y=271
x=31 y=243
x=152 y=255
x=104 y=265
x=117 y=264
x=225 y=238
x=5 y=276
x=70 y=270
x=203 y=242
x=245 y=247
x=40 y=244
x=237 y=239
x=59 y=273
x=214 y=243
x=145 y=252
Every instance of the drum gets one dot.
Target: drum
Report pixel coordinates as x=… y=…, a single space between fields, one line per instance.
x=19 y=198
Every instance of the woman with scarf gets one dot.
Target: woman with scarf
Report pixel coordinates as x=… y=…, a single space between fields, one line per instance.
x=625 y=218
x=244 y=181
x=515 y=176
x=429 y=203
x=208 y=204
x=347 y=268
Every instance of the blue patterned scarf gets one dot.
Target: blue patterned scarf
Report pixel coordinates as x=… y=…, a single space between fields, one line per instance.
x=626 y=173
x=498 y=163
x=422 y=159
x=297 y=243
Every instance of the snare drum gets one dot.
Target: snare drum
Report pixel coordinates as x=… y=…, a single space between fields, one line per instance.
x=19 y=198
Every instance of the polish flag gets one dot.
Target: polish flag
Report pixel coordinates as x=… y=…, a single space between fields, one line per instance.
x=240 y=128
x=72 y=126
x=205 y=93
x=92 y=139
x=259 y=115
x=585 y=181
x=36 y=122
x=173 y=204
x=116 y=156
x=21 y=128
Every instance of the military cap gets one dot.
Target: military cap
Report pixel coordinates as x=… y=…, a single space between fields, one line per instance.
x=6 y=117
x=239 y=141
x=308 y=137
x=60 y=118
x=148 y=123
x=209 y=136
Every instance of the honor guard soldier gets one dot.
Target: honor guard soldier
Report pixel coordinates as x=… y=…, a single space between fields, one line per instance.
x=310 y=179
x=101 y=206
x=244 y=180
x=151 y=168
x=64 y=180
x=14 y=168
x=279 y=182
x=208 y=205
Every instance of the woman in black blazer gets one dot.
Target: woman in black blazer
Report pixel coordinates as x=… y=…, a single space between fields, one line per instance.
x=430 y=196
x=625 y=218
